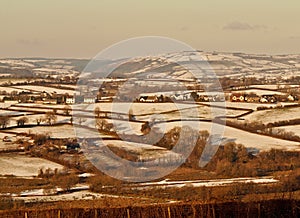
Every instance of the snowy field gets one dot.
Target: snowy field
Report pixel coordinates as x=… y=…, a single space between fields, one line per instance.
x=168 y=110
x=8 y=145
x=254 y=106
x=52 y=106
x=205 y=183
x=64 y=131
x=259 y=92
x=80 y=195
x=46 y=89
x=24 y=166
x=272 y=87
x=249 y=140
x=295 y=129
x=141 y=108
x=274 y=115
x=32 y=119
x=10 y=89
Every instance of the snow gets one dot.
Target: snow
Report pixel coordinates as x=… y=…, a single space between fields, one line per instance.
x=16 y=63
x=249 y=140
x=205 y=183
x=79 y=195
x=295 y=129
x=46 y=89
x=274 y=115
x=8 y=145
x=64 y=131
x=24 y=166
x=252 y=106
x=10 y=89
x=259 y=92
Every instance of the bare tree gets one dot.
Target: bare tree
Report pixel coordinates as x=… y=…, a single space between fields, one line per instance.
x=97 y=111
x=50 y=117
x=4 y=121
x=39 y=120
x=104 y=126
x=130 y=115
x=67 y=110
x=81 y=120
x=145 y=129
x=22 y=121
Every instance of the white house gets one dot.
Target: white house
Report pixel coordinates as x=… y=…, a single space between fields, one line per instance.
x=70 y=100
x=291 y=98
x=89 y=100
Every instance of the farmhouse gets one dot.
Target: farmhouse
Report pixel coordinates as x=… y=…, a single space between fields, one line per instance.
x=70 y=100
x=237 y=97
x=291 y=98
x=269 y=98
x=89 y=100
x=148 y=99
x=252 y=98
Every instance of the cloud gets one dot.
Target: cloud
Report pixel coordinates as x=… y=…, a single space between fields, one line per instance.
x=243 y=26
x=29 y=42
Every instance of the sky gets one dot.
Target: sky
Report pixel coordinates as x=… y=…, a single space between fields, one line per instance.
x=83 y=28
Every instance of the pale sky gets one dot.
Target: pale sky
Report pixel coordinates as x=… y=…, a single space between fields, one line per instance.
x=82 y=28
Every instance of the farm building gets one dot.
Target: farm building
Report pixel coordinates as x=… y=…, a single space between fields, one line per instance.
x=237 y=97
x=148 y=99
x=70 y=100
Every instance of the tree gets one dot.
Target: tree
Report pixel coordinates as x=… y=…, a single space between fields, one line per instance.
x=81 y=120
x=145 y=129
x=4 y=121
x=39 y=120
x=130 y=115
x=67 y=110
x=50 y=117
x=97 y=111
x=22 y=121
x=104 y=126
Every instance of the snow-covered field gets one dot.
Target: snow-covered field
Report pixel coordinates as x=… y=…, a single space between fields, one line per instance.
x=32 y=109
x=46 y=89
x=10 y=89
x=64 y=131
x=259 y=92
x=205 y=183
x=8 y=145
x=32 y=119
x=274 y=115
x=254 y=106
x=141 y=108
x=16 y=63
x=272 y=87
x=52 y=106
x=295 y=129
x=24 y=166
x=80 y=195
x=249 y=140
